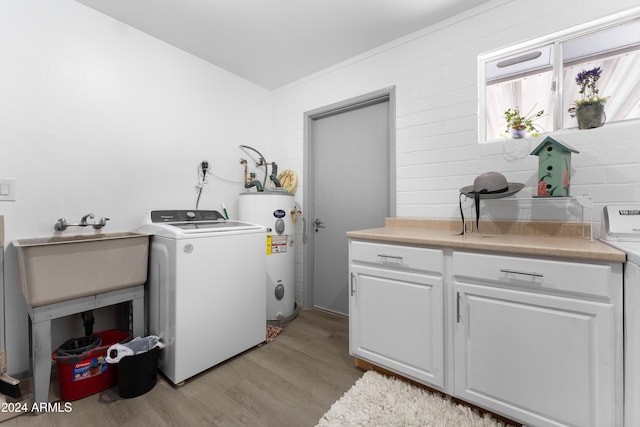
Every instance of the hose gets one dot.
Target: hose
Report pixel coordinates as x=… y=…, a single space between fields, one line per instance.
x=262 y=159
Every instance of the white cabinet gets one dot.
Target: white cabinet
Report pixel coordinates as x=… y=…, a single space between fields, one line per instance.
x=536 y=339
x=539 y=340
x=396 y=309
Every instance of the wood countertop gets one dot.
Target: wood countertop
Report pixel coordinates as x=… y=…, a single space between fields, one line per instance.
x=543 y=238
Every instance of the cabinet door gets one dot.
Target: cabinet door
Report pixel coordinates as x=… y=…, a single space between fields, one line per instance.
x=540 y=359
x=396 y=321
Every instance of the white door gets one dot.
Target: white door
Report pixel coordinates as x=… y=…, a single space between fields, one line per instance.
x=348 y=162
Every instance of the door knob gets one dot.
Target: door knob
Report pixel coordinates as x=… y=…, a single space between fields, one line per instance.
x=318 y=224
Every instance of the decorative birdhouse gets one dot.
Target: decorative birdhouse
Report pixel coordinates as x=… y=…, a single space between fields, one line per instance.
x=554 y=167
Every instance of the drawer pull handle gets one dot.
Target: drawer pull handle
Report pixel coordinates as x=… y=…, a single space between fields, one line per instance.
x=524 y=273
x=391 y=256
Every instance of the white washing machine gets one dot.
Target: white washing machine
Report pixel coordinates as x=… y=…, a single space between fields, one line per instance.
x=621 y=229
x=275 y=211
x=205 y=288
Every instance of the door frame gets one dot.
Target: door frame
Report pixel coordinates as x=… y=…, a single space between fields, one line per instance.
x=309 y=174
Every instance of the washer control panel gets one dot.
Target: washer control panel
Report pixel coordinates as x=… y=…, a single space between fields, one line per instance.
x=185 y=216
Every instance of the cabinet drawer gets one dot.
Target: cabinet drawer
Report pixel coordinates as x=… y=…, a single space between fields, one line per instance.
x=564 y=276
x=396 y=256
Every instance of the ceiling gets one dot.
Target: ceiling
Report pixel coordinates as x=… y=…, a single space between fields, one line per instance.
x=274 y=42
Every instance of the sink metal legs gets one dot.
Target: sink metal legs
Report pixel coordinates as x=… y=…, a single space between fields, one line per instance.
x=41 y=330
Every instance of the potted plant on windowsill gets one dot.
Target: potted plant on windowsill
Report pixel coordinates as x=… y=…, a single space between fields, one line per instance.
x=518 y=125
x=589 y=111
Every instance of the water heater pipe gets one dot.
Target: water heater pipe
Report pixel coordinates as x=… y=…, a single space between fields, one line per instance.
x=262 y=160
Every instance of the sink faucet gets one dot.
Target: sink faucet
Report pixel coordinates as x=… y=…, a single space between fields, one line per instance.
x=98 y=225
x=83 y=221
x=62 y=223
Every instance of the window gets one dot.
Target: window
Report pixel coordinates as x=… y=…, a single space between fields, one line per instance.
x=541 y=75
x=523 y=81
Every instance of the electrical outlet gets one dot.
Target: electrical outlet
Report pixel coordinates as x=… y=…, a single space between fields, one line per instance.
x=7 y=189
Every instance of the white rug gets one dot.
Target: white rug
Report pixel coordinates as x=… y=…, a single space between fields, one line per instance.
x=378 y=400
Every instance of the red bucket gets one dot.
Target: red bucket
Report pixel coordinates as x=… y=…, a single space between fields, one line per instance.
x=84 y=374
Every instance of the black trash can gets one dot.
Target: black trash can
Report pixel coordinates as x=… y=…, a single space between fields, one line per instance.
x=137 y=364
x=138 y=374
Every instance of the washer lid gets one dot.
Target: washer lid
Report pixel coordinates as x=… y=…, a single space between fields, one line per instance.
x=632 y=249
x=209 y=226
x=190 y=222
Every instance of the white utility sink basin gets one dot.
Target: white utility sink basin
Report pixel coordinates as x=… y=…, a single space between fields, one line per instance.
x=60 y=268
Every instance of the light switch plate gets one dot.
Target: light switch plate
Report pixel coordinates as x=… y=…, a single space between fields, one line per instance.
x=7 y=189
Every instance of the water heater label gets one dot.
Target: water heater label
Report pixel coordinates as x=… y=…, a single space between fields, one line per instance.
x=279 y=213
x=278 y=244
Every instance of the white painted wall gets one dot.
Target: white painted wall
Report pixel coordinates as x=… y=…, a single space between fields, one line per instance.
x=96 y=116
x=435 y=75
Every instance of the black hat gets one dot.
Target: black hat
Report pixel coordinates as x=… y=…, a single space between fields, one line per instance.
x=489 y=185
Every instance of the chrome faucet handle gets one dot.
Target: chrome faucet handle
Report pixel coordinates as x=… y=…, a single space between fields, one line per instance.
x=83 y=221
x=60 y=225
x=103 y=221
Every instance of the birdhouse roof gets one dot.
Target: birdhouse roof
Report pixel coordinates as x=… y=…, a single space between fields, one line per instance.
x=548 y=140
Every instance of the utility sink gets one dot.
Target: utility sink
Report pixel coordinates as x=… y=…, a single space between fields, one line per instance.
x=60 y=268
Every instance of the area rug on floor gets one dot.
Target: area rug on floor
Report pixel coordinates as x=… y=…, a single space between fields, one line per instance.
x=378 y=400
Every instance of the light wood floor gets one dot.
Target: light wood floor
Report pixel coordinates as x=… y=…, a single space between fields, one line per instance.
x=291 y=381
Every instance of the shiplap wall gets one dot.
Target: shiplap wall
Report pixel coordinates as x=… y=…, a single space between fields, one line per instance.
x=434 y=72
